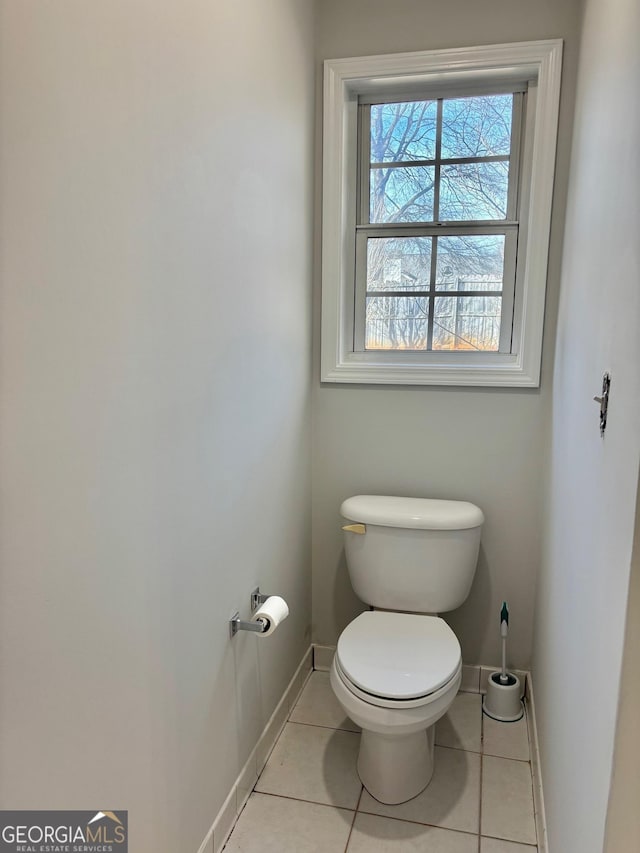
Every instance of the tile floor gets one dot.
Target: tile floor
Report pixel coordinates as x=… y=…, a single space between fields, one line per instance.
x=309 y=798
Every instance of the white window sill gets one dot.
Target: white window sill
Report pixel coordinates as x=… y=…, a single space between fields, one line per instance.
x=483 y=370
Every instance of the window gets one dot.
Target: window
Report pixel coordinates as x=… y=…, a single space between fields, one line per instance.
x=437 y=220
x=438 y=174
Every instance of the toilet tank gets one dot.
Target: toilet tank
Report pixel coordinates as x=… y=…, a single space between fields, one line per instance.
x=411 y=554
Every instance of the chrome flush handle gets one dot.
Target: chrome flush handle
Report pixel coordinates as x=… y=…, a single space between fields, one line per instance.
x=604 y=402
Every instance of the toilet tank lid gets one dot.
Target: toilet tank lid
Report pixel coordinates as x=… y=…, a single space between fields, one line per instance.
x=412 y=513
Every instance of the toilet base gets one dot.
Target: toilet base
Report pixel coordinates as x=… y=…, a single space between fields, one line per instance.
x=395 y=768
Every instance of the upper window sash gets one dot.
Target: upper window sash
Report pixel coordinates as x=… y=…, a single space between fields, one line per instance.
x=365 y=165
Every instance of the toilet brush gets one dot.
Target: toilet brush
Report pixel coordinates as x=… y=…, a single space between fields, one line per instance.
x=503 y=700
x=504 y=630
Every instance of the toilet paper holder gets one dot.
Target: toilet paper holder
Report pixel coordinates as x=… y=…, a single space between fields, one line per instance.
x=237 y=624
x=259 y=626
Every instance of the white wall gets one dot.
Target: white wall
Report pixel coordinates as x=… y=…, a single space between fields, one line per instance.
x=590 y=502
x=623 y=817
x=481 y=445
x=156 y=182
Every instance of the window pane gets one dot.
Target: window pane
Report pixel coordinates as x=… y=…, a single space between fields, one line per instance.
x=403 y=131
x=398 y=263
x=467 y=323
x=470 y=262
x=476 y=127
x=396 y=322
x=473 y=191
x=403 y=194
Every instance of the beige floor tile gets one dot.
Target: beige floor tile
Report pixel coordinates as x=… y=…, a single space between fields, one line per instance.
x=317 y=764
x=461 y=726
x=507 y=800
x=372 y=834
x=278 y=825
x=451 y=800
x=506 y=740
x=494 y=845
x=318 y=705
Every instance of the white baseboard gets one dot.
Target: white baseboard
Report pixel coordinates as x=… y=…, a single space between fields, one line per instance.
x=538 y=797
x=241 y=789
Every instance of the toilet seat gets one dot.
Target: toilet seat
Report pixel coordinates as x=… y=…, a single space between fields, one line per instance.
x=397 y=660
x=396 y=704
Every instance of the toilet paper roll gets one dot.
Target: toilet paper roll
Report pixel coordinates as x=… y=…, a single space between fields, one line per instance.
x=273 y=611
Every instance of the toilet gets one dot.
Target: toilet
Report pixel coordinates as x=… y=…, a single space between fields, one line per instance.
x=398 y=667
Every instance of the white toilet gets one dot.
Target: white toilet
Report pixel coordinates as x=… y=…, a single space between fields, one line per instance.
x=397 y=668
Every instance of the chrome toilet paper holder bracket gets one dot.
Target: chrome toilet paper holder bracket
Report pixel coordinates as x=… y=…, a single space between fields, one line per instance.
x=257 y=598
x=237 y=624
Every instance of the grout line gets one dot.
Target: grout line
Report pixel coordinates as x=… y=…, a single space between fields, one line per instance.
x=355 y=815
x=532 y=847
x=315 y=726
x=533 y=793
x=480 y=810
x=473 y=751
x=458 y=748
x=533 y=798
x=481 y=775
x=420 y=823
x=321 y=726
x=507 y=757
x=305 y=800
x=311 y=802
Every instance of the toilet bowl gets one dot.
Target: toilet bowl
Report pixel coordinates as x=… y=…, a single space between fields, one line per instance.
x=395 y=675
x=397 y=668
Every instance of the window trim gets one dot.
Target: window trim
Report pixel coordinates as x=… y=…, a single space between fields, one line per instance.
x=344 y=81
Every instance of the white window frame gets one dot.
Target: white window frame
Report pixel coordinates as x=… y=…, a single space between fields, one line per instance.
x=345 y=80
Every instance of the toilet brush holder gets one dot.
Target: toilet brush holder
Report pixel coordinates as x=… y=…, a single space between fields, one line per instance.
x=503 y=700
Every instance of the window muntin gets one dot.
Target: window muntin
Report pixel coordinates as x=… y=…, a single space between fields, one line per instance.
x=437 y=211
